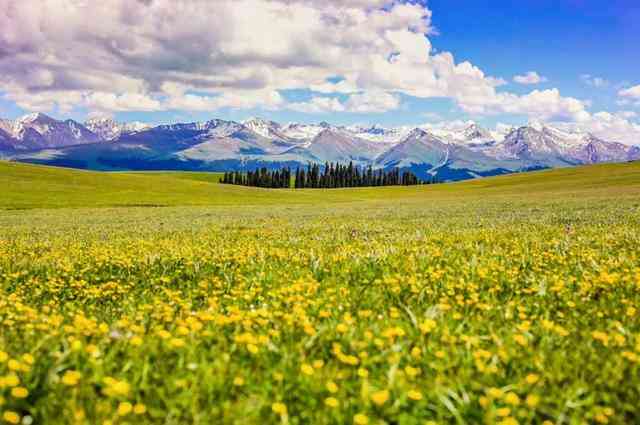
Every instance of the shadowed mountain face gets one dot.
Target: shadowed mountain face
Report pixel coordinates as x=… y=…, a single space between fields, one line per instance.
x=218 y=145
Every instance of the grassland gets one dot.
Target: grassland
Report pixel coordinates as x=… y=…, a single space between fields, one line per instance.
x=505 y=300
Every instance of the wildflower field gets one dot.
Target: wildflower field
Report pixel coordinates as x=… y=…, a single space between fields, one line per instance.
x=171 y=299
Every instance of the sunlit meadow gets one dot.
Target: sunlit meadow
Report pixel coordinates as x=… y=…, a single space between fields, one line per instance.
x=512 y=309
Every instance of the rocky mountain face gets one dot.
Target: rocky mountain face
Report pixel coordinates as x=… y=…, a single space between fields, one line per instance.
x=450 y=152
x=107 y=129
x=39 y=131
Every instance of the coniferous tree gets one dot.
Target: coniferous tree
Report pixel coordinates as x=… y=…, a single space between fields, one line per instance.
x=325 y=176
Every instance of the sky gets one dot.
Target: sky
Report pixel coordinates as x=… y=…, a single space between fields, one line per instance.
x=387 y=62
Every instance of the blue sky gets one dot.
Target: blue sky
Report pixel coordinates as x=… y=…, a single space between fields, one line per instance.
x=584 y=51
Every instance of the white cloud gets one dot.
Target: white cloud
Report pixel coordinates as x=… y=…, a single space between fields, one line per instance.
x=592 y=81
x=372 y=102
x=530 y=77
x=124 y=102
x=630 y=93
x=539 y=104
x=361 y=103
x=318 y=105
x=200 y=55
x=607 y=126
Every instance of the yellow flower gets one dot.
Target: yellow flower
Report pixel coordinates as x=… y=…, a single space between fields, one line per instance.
x=380 y=397
x=331 y=402
x=521 y=340
x=532 y=400
x=279 y=408
x=342 y=328
x=427 y=326
x=139 y=409
x=79 y=415
x=484 y=401
x=253 y=349
x=11 y=380
x=360 y=419
x=412 y=372
x=3 y=356
x=306 y=369
x=414 y=395
x=512 y=398
x=124 y=408
x=116 y=388
x=19 y=392
x=238 y=381
x=503 y=411
x=71 y=378
x=11 y=417
x=28 y=359
x=494 y=392
x=363 y=373
x=332 y=387
x=532 y=378
x=177 y=343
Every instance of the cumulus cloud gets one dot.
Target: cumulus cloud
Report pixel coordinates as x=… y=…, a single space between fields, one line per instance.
x=631 y=93
x=530 y=77
x=544 y=105
x=608 y=126
x=202 y=55
x=361 y=103
x=592 y=81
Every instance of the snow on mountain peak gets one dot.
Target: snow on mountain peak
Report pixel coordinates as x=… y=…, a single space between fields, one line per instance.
x=265 y=128
x=33 y=117
x=536 y=125
x=109 y=130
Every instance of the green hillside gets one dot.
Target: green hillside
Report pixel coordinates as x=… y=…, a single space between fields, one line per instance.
x=31 y=186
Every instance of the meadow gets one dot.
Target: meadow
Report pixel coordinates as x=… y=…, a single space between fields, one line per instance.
x=169 y=298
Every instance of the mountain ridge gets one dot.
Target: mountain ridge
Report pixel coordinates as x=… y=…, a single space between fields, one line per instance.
x=450 y=152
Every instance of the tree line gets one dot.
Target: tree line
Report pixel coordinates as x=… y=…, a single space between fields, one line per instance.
x=328 y=176
x=278 y=179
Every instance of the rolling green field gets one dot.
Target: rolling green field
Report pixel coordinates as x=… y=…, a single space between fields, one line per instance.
x=169 y=298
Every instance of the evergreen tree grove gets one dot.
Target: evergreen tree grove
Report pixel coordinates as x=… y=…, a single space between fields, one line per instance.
x=327 y=176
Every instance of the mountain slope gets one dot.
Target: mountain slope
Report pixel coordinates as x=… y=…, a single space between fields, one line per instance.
x=418 y=148
x=39 y=131
x=449 y=151
x=337 y=146
x=109 y=130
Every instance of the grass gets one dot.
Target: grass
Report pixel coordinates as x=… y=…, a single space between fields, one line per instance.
x=33 y=186
x=506 y=300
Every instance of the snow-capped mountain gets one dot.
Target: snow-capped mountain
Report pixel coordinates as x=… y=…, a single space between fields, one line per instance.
x=39 y=131
x=108 y=129
x=339 y=146
x=418 y=147
x=268 y=129
x=380 y=134
x=302 y=131
x=450 y=151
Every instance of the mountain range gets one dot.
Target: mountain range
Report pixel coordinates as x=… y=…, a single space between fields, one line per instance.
x=449 y=152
